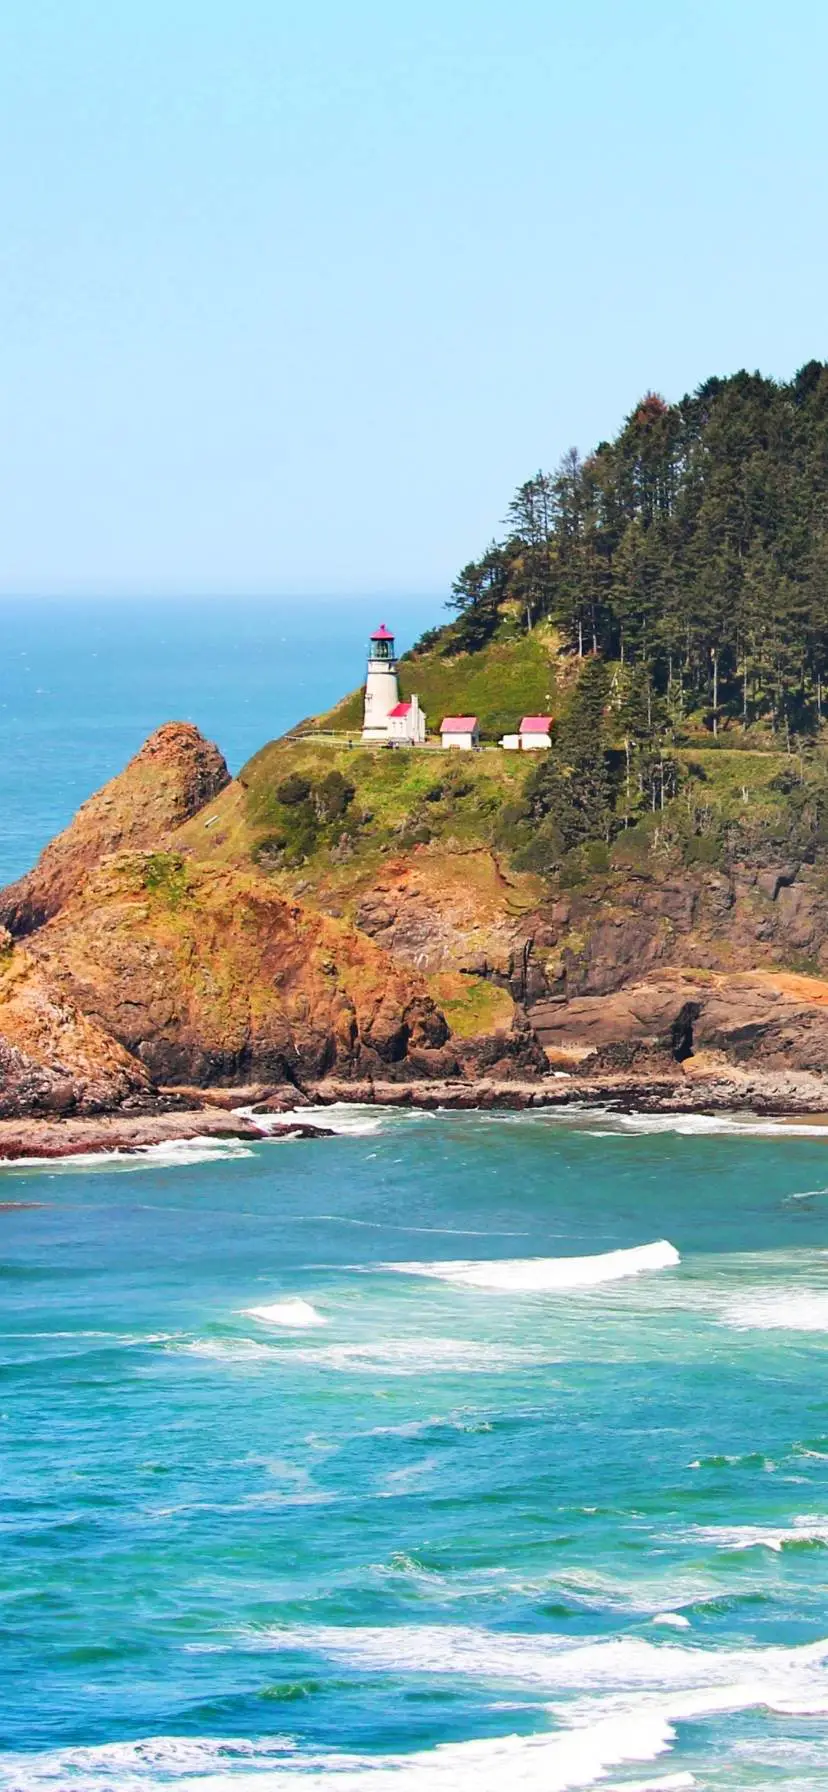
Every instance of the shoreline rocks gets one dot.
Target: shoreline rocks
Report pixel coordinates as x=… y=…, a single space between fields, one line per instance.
x=73 y=1137
x=770 y=1094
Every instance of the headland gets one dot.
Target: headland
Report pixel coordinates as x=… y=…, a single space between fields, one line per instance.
x=573 y=847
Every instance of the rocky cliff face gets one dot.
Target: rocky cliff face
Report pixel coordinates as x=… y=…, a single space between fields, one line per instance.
x=175 y=773
x=142 y=968
x=155 y=947
x=55 y=1059
x=210 y=976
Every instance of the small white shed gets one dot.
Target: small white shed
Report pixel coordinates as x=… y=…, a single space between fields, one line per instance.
x=535 y=732
x=460 y=731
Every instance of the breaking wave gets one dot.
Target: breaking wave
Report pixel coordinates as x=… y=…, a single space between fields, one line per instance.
x=538 y=1275
x=541 y=1763
x=807 y=1532
x=292 y=1312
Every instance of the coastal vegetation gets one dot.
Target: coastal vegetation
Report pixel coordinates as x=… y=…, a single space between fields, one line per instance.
x=694 y=546
x=666 y=600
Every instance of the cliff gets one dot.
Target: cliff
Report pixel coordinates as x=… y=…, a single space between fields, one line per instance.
x=352 y=918
x=175 y=773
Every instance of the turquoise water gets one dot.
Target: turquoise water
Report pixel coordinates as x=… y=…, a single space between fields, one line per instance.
x=309 y=1479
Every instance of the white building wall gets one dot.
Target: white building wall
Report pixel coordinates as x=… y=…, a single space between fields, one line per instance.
x=382 y=694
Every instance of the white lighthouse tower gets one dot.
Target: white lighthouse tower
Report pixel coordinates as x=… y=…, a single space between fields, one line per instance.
x=382 y=693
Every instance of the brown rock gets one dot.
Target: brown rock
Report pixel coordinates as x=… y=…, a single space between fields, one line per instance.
x=70 y=1137
x=208 y=976
x=173 y=775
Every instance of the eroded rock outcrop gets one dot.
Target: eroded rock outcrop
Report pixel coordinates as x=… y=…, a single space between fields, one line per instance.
x=772 y=1020
x=55 y=1059
x=209 y=976
x=173 y=775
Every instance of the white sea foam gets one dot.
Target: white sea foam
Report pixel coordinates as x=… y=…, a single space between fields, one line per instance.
x=383 y=1356
x=149 y=1762
x=616 y=1702
x=671 y=1620
x=807 y=1529
x=741 y=1125
x=785 y=1309
x=171 y=1154
x=537 y=1275
x=343 y=1117
x=294 y=1311
x=623 y=1665
x=549 y=1762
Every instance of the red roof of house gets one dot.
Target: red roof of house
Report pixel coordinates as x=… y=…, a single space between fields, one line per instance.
x=382 y=633
x=400 y=709
x=458 y=724
x=536 y=725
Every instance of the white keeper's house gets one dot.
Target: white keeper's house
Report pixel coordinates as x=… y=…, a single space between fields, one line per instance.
x=385 y=718
x=460 y=731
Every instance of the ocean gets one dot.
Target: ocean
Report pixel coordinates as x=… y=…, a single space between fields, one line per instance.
x=455 y=1453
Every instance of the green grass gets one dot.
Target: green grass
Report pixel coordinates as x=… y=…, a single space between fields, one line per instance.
x=504 y=681
x=164 y=874
x=401 y=798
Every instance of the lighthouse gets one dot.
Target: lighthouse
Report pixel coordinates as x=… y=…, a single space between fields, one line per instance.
x=382 y=693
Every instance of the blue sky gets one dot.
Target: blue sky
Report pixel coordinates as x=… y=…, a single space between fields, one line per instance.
x=293 y=294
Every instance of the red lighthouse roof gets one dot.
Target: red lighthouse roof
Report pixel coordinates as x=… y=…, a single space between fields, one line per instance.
x=382 y=633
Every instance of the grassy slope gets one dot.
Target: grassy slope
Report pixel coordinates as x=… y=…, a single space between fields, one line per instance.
x=510 y=678
x=394 y=792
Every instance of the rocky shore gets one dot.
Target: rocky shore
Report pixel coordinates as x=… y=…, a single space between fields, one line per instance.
x=251 y=1112
x=773 y=1093
x=72 y=1137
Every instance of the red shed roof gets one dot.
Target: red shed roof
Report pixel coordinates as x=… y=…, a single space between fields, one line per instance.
x=400 y=709
x=536 y=725
x=382 y=633
x=458 y=724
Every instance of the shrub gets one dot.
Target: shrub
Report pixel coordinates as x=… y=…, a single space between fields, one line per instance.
x=293 y=789
x=331 y=796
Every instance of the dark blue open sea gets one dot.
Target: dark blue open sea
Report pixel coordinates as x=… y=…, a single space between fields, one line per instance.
x=458 y=1453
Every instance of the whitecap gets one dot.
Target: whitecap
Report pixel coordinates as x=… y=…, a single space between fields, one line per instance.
x=671 y=1620
x=536 y=1275
x=788 y=1309
x=148 y=1762
x=735 y=1537
x=556 y=1662
x=293 y=1311
x=548 y=1762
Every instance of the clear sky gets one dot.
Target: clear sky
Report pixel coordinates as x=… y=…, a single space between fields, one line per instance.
x=295 y=292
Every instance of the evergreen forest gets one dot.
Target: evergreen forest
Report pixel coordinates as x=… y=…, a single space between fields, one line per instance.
x=692 y=550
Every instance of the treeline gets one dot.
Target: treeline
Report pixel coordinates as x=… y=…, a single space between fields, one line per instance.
x=589 y=787
x=694 y=547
